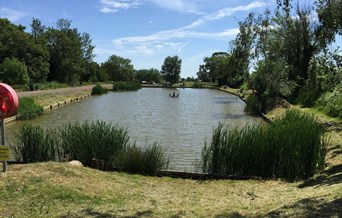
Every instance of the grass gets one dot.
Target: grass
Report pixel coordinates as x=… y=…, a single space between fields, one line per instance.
x=61 y=190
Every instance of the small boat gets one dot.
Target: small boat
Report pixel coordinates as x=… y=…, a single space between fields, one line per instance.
x=174 y=95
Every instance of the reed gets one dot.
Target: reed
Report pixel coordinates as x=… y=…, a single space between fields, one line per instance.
x=33 y=144
x=144 y=160
x=293 y=147
x=99 y=140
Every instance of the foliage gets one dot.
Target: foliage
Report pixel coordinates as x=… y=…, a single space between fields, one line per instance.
x=28 y=109
x=16 y=43
x=145 y=160
x=118 y=68
x=98 y=90
x=33 y=144
x=293 y=147
x=151 y=75
x=331 y=102
x=12 y=71
x=99 y=140
x=171 y=69
x=126 y=86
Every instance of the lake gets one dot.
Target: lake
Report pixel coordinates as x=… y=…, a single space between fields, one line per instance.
x=181 y=125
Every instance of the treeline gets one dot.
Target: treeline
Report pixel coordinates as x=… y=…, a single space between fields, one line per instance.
x=286 y=53
x=61 y=54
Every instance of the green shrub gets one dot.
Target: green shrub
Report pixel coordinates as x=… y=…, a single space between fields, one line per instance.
x=99 y=140
x=28 y=109
x=331 y=102
x=126 y=86
x=147 y=160
x=33 y=144
x=98 y=90
x=293 y=147
x=308 y=96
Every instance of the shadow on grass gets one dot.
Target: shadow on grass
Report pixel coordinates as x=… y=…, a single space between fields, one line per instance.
x=310 y=208
x=97 y=214
x=330 y=176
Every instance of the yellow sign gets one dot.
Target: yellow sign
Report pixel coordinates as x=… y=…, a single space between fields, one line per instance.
x=4 y=153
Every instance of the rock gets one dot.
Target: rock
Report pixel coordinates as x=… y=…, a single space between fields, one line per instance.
x=75 y=163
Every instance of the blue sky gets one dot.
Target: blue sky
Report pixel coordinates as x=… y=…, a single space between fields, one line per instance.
x=145 y=31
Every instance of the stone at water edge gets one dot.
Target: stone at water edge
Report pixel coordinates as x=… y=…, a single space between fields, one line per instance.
x=75 y=163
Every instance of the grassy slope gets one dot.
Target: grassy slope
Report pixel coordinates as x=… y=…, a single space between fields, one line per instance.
x=61 y=190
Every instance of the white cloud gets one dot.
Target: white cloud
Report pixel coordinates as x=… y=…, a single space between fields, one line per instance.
x=225 y=12
x=176 y=5
x=12 y=15
x=159 y=42
x=110 y=6
x=108 y=10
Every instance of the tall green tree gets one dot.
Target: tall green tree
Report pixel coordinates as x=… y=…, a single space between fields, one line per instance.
x=149 y=75
x=66 y=54
x=171 y=69
x=16 y=43
x=118 y=68
x=14 y=72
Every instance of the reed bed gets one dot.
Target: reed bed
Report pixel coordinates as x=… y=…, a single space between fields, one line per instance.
x=33 y=144
x=88 y=142
x=146 y=160
x=291 y=148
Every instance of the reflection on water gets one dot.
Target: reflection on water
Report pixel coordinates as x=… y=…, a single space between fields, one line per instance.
x=180 y=125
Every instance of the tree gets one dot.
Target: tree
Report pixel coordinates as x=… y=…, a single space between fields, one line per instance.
x=151 y=75
x=118 y=68
x=66 y=54
x=37 y=29
x=171 y=69
x=217 y=67
x=15 y=43
x=14 y=72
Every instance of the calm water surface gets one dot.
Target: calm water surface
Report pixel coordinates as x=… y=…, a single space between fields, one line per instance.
x=180 y=125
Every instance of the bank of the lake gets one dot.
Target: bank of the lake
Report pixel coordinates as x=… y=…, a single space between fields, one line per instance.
x=61 y=190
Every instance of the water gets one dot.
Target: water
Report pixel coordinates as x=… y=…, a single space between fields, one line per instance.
x=180 y=125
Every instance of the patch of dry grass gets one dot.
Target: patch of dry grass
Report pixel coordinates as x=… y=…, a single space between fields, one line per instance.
x=61 y=190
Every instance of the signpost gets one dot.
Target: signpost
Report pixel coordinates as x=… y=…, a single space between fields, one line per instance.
x=8 y=105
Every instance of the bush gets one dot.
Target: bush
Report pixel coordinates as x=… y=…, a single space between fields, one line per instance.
x=331 y=102
x=126 y=86
x=28 y=109
x=98 y=90
x=308 y=96
x=293 y=147
x=33 y=144
x=147 y=160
